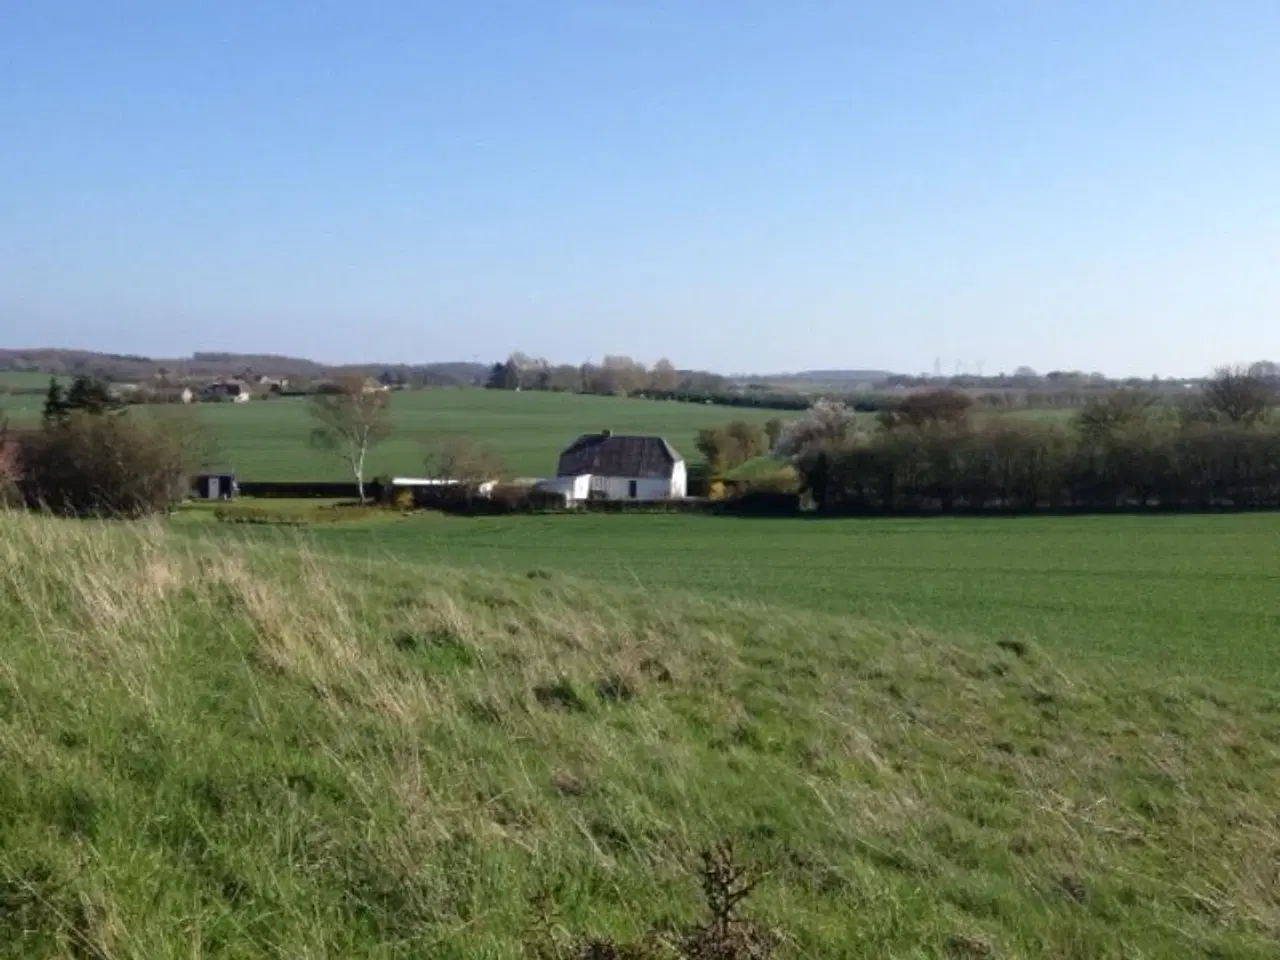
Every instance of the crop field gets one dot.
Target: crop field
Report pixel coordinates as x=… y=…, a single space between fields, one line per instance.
x=20 y=380
x=267 y=439
x=25 y=406
x=1196 y=595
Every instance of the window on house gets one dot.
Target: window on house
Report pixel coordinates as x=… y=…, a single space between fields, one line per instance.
x=631 y=489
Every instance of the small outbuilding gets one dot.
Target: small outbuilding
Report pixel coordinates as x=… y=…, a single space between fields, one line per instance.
x=216 y=485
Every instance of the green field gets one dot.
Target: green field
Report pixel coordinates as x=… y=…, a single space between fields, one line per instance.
x=1188 y=595
x=22 y=407
x=267 y=440
x=16 y=380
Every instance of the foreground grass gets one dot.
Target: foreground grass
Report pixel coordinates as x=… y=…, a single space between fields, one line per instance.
x=215 y=749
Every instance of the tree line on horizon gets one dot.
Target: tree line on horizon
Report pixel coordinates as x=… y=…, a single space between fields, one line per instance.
x=613 y=376
x=117 y=367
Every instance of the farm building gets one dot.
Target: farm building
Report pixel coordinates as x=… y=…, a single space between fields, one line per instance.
x=481 y=487
x=216 y=485
x=608 y=467
x=237 y=391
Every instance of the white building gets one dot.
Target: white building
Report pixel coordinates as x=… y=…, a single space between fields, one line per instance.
x=608 y=467
x=483 y=488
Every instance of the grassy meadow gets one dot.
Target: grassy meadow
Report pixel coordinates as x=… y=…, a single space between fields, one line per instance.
x=22 y=380
x=22 y=407
x=240 y=747
x=1193 y=594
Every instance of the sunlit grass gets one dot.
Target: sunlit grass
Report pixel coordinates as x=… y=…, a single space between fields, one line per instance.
x=216 y=748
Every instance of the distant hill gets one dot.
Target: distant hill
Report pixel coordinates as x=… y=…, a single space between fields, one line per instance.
x=118 y=367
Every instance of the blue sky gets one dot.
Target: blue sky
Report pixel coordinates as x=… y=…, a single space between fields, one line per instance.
x=737 y=184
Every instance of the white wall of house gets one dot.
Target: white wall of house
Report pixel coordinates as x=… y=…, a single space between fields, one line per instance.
x=679 y=481
x=641 y=488
x=583 y=486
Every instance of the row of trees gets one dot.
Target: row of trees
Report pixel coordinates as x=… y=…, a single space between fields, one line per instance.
x=622 y=376
x=85 y=395
x=131 y=368
x=614 y=376
x=1025 y=378
x=1124 y=449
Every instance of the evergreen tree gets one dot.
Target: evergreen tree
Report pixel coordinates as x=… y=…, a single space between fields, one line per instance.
x=55 y=403
x=90 y=395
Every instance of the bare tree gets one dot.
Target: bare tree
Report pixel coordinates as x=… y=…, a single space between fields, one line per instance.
x=1265 y=370
x=929 y=406
x=198 y=445
x=351 y=420
x=622 y=375
x=663 y=377
x=452 y=457
x=1239 y=395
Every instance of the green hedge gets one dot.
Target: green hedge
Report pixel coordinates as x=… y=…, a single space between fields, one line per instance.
x=1025 y=466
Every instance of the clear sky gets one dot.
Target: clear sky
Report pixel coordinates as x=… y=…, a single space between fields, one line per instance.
x=742 y=185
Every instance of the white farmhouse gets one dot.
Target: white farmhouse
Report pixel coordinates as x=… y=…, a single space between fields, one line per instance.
x=609 y=467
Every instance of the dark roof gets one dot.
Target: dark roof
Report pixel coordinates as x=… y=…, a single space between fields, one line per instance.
x=615 y=456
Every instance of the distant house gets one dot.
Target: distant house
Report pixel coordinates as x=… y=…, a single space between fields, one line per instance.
x=273 y=384
x=613 y=467
x=237 y=391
